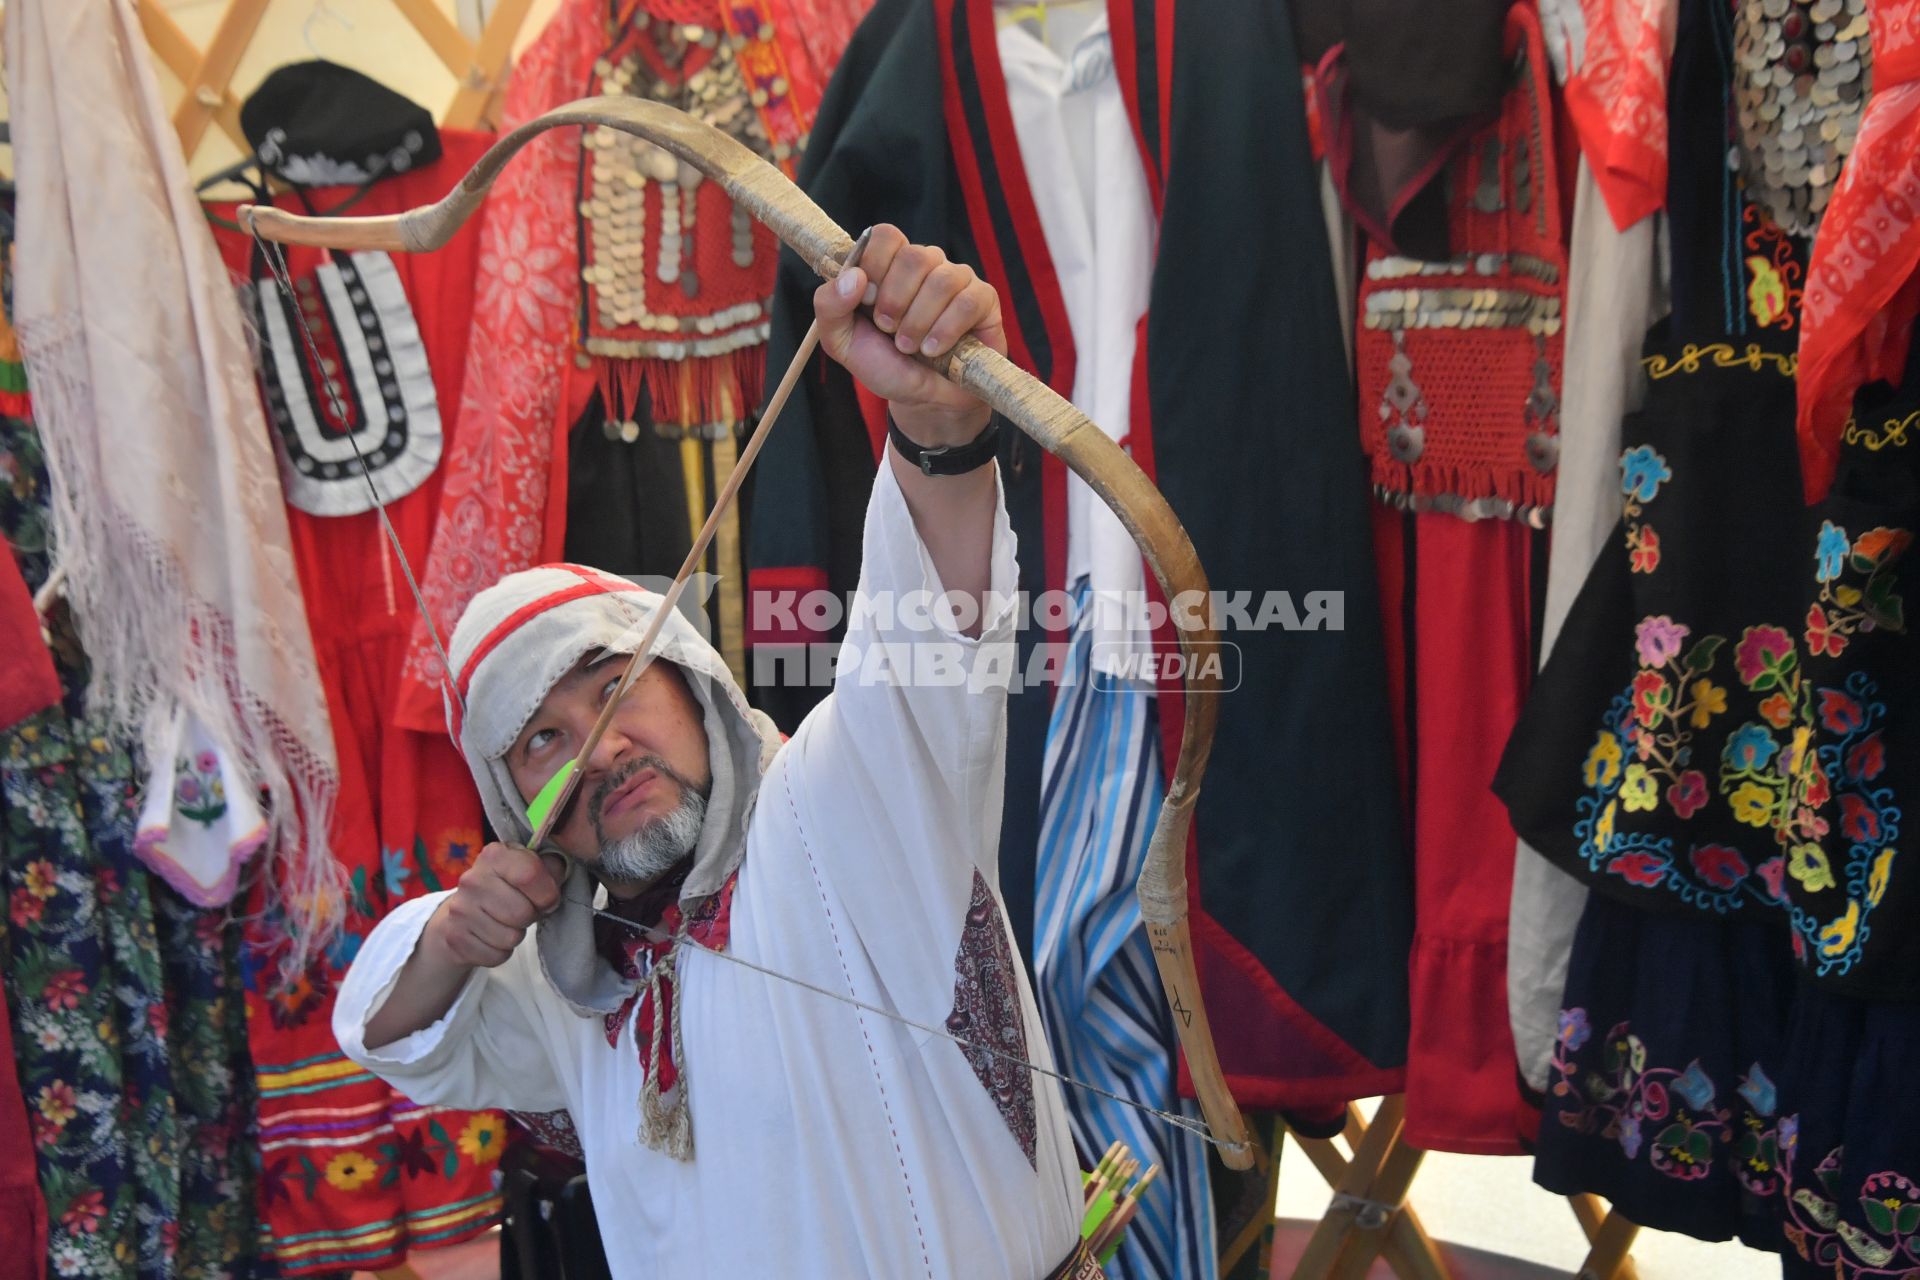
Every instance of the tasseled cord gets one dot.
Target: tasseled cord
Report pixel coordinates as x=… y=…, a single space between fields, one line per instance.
x=666 y=1126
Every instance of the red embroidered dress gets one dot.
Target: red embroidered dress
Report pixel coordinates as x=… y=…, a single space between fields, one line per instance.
x=353 y=1175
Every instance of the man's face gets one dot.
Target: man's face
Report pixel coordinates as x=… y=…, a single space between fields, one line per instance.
x=642 y=793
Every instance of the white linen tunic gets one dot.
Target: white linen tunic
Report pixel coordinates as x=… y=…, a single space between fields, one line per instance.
x=829 y=1142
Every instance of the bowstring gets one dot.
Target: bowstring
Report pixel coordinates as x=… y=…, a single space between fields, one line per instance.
x=1187 y=1123
x=276 y=260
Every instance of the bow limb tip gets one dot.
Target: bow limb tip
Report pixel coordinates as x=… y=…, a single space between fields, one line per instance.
x=282 y=227
x=1173 y=956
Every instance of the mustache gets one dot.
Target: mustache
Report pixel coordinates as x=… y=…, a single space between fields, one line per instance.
x=624 y=774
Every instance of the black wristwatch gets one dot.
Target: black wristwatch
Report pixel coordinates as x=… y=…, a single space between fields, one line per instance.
x=948 y=460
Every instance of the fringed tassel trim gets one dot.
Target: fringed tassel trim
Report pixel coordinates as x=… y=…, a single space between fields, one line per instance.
x=718 y=391
x=1471 y=492
x=666 y=1125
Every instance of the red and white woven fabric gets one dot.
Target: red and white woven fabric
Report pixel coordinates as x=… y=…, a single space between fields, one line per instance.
x=1862 y=295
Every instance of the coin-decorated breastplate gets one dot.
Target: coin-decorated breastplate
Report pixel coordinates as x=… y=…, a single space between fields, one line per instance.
x=1801 y=73
x=674 y=273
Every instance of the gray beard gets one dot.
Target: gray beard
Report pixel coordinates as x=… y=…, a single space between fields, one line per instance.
x=649 y=853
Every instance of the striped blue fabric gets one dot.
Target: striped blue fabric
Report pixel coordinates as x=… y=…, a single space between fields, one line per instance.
x=1106 y=1018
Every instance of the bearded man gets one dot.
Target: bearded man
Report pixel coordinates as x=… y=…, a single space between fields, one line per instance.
x=734 y=1123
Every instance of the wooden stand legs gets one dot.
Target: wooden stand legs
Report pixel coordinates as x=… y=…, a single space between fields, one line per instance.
x=1369 y=1216
x=1609 y=1236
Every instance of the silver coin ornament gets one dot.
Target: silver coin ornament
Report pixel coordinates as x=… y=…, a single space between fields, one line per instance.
x=1801 y=71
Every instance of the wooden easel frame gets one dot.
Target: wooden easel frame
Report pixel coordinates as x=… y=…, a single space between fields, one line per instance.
x=1370 y=1218
x=479 y=66
x=1610 y=1236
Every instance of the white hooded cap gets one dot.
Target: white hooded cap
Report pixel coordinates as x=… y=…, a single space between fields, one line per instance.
x=514 y=642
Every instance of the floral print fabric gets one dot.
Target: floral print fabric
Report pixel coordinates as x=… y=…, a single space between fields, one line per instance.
x=127 y=1019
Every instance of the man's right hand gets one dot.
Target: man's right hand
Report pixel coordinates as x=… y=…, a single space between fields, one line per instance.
x=504 y=893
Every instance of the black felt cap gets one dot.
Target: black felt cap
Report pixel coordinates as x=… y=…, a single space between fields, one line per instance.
x=321 y=124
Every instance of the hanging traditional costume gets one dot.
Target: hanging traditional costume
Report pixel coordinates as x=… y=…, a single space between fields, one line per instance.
x=676 y=282
x=1458 y=354
x=354 y=1175
x=866 y=873
x=126 y=1034
x=1661 y=758
x=918 y=131
x=1094 y=970
x=622 y=303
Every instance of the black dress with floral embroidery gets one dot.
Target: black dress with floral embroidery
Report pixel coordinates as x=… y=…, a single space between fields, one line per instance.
x=1752 y=655
x=1849 y=1133
x=1647 y=759
x=1736 y=1045
x=1720 y=748
x=1646 y=763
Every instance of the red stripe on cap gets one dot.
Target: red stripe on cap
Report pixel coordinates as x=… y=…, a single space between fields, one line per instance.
x=592 y=583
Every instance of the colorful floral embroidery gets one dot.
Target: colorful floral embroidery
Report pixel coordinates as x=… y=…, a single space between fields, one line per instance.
x=1816 y=1230
x=1798 y=767
x=1844 y=609
x=1643 y=548
x=1642 y=472
x=1674 y=1116
x=1719 y=865
x=350 y=1170
x=483 y=1138
x=1672 y=698
x=1766 y=295
x=198 y=792
x=1773 y=293
x=1840 y=773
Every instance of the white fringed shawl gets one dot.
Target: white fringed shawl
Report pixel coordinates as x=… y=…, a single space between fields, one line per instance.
x=167 y=506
